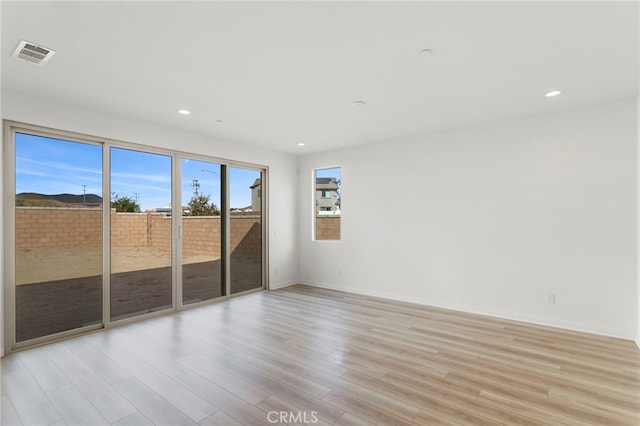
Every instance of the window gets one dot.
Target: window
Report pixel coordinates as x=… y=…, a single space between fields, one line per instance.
x=245 y=229
x=328 y=203
x=202 y=248
x=58 y=236
x=182 y=230
x=140 y=223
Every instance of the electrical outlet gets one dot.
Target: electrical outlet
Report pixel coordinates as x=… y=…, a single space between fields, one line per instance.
x=551 y=298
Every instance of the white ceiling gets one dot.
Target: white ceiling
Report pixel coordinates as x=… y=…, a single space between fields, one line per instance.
x=288 y=72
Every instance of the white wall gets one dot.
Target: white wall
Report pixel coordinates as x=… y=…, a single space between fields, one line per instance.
x=486 y=219
x=282 y=167
x=491 y=219
x=1 y=220
x=638 y=220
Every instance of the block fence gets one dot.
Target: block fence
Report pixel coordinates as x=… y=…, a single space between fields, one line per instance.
x=51 y=227
x=327 y=227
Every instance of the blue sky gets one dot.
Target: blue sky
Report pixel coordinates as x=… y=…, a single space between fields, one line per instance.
x=52 y=166
x=332 y=172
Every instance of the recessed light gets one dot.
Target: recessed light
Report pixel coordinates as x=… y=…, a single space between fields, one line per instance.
x=552 y=93
x=425 y=52
x=300 y=144
x=184 y=111
x=358 y=104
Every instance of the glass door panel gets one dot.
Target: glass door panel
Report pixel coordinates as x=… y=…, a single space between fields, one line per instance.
x=201 y=232
x=245 y=223
x=58 y=217
x=141 y=233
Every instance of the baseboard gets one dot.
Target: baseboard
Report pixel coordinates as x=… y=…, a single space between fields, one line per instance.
x=513 y=316
x=282 y=285
x=638 y=340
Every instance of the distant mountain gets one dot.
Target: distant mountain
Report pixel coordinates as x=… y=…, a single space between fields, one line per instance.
x=32 y=199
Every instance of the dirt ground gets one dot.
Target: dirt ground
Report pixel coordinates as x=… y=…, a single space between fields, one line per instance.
x=77 y=262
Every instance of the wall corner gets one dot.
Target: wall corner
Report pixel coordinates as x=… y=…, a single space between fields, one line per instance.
x=637 y=340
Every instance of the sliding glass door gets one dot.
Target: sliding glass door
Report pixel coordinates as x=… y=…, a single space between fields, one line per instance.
x=58 y=236
x=141 y=233
x=201 y=231
x=101 y=232
x=245 y=224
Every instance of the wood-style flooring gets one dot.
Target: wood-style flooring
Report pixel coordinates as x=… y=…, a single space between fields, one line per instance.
x=312 y=356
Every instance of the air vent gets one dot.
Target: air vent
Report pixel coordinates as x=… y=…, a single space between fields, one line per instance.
x=33 y=53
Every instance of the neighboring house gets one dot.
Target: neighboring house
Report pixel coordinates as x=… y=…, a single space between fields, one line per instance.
x=256 y=195
x=167 y=210
x=327 y=199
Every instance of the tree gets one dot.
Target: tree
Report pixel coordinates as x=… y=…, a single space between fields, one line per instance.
x=200 y=205
x=124 y=204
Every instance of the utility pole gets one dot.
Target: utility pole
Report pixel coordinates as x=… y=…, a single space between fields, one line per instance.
x=84 y=194
x=196 y=186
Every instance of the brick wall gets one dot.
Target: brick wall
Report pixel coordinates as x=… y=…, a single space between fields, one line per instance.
x=129 y=229
x=327 y=227
x=201 y=234
x=141 y=230
x=42 y=227
x=159 y=232
x=246 y=236
x=55 y=227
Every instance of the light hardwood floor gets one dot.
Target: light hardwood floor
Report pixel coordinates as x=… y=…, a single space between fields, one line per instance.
x=339 y=358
